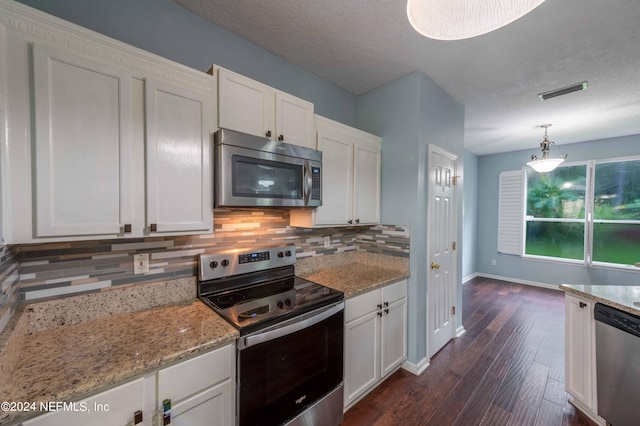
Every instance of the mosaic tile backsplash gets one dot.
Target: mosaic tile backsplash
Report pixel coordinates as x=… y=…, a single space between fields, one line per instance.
x=62 y=269
x=9 y=283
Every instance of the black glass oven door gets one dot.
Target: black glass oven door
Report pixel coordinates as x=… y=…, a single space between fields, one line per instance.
x=280 y=378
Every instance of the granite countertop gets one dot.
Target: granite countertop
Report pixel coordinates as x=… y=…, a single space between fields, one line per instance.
x=356 y=278
x=625 y=298
x=71 y=362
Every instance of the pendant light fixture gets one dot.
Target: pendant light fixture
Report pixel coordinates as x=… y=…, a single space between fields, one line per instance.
x=460 y=19
x=545 y=164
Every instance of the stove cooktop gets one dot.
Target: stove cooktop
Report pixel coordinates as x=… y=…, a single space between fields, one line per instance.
x=267 y=294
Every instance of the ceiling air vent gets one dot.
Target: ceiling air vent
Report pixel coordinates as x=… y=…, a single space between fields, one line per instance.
x=559 y=92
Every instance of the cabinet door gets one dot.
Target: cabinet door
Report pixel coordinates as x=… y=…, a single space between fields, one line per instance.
x=245 y=105
x=82 y=133
x=294 y=120
x=115 y=407
x=579 y=344
x=179 y=182
x=393 y=343
x=366 y=196
x=184 y=379
x=361 y=356
x=212 y=407
x=337 y=179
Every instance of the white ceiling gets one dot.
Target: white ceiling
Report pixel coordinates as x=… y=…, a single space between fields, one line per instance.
x=362 y=44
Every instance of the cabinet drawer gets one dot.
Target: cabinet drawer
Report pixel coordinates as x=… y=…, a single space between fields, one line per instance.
x=113 y=407
x=394 y=292
x=189 y=377
x=361 y=305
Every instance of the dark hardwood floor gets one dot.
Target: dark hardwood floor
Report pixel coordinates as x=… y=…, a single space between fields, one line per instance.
x=507 y=369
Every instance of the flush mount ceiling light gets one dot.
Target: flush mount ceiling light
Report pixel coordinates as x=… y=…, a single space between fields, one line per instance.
x=545 y=164
x=460 y=19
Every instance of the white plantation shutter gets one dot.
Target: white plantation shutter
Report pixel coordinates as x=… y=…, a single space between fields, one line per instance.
x=510 y=212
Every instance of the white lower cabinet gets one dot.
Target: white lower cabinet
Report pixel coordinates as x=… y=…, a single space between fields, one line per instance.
x=580 y=355
x=115 y=407
x=199 y=391
x=375 y=336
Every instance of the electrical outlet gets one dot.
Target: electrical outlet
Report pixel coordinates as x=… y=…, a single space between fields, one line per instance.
x=327 y=241
x=493 y=262
x=140 y=263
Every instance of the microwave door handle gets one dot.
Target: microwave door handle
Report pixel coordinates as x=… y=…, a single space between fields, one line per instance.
x=307 y=182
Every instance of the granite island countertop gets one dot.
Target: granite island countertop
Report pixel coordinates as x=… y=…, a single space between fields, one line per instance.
x=72 y=362
x=625 y=298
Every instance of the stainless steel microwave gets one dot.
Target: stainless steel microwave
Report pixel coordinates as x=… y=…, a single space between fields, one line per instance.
x=252 y=171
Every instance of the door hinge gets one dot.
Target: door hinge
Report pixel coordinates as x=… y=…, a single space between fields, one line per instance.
x=453 y=245
x=453 y=310
x=455 y=180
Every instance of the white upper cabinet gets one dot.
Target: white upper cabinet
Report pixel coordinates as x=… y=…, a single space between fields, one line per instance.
x=82 y=137
x=350 y=178
x=103 y=140
x=250 y=107
x=245 y=105
x=178 y=159
x=337 y=177
x=366 y=181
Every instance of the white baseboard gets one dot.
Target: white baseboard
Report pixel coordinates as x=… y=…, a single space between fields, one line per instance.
x=586 y=411
x=519 y=281
x=460 y=331
x=416 y=369
x=469 y=278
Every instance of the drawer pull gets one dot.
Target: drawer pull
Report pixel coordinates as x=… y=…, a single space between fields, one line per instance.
x=583 y=305
x=137 y=417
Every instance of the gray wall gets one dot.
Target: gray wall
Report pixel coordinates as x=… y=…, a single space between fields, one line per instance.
x=470 y=215
x=409 y=114
x=168 y=30
x=546 y=272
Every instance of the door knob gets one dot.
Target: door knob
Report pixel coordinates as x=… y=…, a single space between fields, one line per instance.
x=435 y=265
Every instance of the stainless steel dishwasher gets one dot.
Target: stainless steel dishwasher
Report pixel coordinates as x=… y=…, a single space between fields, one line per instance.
x=618 y=365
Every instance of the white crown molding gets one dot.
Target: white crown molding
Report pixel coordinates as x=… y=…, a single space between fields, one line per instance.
x=41 y=26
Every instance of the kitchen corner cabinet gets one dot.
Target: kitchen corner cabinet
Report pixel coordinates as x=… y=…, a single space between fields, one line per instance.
x=375 y=336
x=251 y=107
x=351 y=161
x=199 y=390
x=580 y=355
x=104 y=141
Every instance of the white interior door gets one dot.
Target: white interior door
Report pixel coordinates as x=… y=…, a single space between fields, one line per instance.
x=441 y=258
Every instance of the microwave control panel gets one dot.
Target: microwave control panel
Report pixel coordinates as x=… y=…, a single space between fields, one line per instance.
x=315 y=183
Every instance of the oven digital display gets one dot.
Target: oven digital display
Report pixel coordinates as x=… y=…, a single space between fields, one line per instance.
x=253 y=257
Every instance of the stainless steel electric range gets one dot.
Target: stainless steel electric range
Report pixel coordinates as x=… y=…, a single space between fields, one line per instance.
x=290 y=350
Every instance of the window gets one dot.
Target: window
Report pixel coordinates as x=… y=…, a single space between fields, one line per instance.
x=587 y=213
x=616 y=212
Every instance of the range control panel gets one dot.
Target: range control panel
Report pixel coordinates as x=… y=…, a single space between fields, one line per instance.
x=254 y=257
x=241 y=261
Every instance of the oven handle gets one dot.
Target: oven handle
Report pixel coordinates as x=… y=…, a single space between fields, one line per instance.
x=296 y=325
